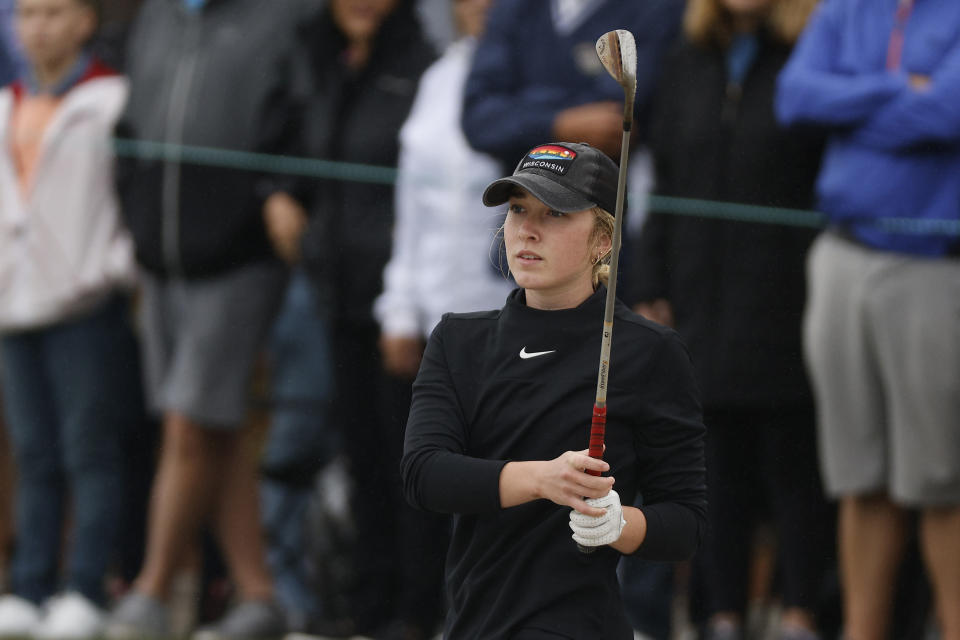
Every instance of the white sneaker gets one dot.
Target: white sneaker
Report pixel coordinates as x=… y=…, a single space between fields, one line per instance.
x=18 y=617
x=70 y=616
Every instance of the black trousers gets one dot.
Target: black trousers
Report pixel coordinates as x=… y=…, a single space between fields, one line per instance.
x=763 y=464
x=399 y=552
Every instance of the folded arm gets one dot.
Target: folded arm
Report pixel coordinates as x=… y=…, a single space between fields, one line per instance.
x=812 y=89
x=924 y=112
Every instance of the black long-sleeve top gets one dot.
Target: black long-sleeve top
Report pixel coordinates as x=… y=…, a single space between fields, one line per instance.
x=477 y=404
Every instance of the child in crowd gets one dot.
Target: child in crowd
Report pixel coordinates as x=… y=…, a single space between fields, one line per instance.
x=69 y=364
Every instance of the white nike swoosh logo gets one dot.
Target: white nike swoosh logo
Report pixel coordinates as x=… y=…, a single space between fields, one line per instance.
x=525 y=355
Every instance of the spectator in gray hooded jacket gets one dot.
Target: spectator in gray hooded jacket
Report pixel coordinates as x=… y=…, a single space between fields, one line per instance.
x=210 y=73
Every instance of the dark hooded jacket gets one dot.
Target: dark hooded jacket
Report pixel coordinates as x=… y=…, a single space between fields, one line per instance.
x=355 y=117
x=217 y=77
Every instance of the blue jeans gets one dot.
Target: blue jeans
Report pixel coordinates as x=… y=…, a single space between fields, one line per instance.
x=70 y=392
x=300 y=441
x=647 y=589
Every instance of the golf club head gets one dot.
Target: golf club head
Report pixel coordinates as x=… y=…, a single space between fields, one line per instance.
x=618 y=53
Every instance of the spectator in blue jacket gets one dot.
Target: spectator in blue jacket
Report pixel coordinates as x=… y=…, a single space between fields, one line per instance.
x=536 y=75
x=883 y=76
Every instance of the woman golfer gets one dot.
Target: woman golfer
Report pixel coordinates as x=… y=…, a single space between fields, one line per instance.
x=501 y=415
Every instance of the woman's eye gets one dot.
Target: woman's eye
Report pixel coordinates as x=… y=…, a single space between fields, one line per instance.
x=515 y=208
x=556 y=214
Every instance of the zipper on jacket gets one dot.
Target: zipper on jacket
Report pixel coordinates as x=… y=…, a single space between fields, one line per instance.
x=173 y=135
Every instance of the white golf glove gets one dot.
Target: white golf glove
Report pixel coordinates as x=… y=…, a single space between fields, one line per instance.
x=596 y=531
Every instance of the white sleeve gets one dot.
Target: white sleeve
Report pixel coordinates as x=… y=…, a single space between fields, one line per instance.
x=396 y=308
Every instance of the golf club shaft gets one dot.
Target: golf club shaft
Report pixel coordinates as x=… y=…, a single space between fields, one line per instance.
x=599 y=423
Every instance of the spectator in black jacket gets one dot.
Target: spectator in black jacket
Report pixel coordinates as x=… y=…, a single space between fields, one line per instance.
x=364 y=60
x=211 y=73
x=735 y=292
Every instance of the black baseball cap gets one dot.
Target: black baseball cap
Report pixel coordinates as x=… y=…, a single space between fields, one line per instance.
x=565 y=176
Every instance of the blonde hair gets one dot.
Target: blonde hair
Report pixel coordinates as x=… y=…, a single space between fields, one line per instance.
x=604 y=223
x=708 y=22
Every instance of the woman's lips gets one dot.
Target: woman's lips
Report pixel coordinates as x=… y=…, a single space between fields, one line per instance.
x=528 y=257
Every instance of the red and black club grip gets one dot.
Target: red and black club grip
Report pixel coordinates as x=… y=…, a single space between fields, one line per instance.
x=598 y=429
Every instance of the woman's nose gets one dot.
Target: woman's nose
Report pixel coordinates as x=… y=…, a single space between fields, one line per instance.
x=528 y=228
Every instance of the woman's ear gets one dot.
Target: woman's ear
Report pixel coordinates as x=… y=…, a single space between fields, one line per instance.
x=604 y=242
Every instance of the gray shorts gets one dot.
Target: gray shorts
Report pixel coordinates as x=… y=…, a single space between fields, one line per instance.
x=882 y=341
x=201 y=338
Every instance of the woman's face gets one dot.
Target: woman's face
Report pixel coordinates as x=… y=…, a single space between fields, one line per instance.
x=361 y=19
x=551 y=254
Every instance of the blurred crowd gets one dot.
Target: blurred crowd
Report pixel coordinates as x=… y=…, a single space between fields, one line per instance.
x=206 y=365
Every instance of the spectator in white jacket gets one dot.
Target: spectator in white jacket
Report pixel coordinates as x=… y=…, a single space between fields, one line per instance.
x=442 y=235
x=442 y=239
x=70 y=373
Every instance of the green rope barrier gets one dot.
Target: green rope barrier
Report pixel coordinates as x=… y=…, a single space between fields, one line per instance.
x=734 y=211
x=250 y=161
x=355 y=172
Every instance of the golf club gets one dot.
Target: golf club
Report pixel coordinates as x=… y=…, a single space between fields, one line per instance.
x=618 y=53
